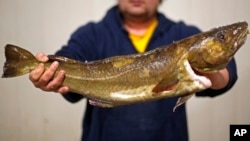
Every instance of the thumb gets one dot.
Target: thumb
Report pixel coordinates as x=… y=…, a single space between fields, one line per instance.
x=42 y=57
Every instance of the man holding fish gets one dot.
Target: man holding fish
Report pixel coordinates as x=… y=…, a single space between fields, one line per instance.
x=133 y=26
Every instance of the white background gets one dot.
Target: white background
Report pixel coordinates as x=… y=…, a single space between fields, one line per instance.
x=28 y=114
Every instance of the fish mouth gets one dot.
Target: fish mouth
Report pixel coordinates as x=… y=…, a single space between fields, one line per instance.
x=241 y=39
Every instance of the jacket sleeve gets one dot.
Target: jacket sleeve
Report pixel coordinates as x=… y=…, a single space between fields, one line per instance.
x=231 y=67
x=80 y=47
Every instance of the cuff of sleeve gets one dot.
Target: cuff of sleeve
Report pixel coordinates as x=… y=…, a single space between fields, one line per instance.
x=232 y=79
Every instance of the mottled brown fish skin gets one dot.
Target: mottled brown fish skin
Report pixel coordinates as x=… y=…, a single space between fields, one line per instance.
x=161 y=73
x=217 y=47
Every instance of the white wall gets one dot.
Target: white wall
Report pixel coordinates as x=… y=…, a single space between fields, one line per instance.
x=28 y=114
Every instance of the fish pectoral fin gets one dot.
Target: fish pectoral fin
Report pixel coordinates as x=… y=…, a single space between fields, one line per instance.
x=165 y=85
x=182 y=100
x=100 y=103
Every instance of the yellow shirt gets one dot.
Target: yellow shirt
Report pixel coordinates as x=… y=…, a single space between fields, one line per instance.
x=140 y=42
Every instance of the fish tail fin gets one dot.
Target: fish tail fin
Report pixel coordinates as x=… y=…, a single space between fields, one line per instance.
x=18 y=61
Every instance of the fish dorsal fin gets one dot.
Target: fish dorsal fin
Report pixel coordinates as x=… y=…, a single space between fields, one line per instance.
x=61 y=59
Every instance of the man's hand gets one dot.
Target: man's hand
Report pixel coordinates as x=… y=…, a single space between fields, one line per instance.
x=219 y=79
x=44 y=78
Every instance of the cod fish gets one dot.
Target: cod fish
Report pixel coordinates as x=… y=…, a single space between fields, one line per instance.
x=167 y=71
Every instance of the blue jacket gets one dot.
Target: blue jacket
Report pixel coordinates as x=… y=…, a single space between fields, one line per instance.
x=150 y=121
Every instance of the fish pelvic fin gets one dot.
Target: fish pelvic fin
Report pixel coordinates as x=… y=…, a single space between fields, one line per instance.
x=18 y=61
x=182 y=100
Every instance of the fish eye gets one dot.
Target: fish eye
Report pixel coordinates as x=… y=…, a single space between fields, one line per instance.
x=221 y=36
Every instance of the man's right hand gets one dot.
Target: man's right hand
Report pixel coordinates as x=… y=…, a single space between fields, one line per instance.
x=44 y=78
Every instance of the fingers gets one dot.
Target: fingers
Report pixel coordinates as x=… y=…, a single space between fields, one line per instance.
x=56 y=83
x=47 y=80
x=63 y=89
x=36 y=73
x=47 y=75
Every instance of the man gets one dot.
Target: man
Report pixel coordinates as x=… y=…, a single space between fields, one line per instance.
x=133 y=26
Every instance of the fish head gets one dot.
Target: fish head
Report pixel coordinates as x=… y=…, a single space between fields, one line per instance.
x=214 y=49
